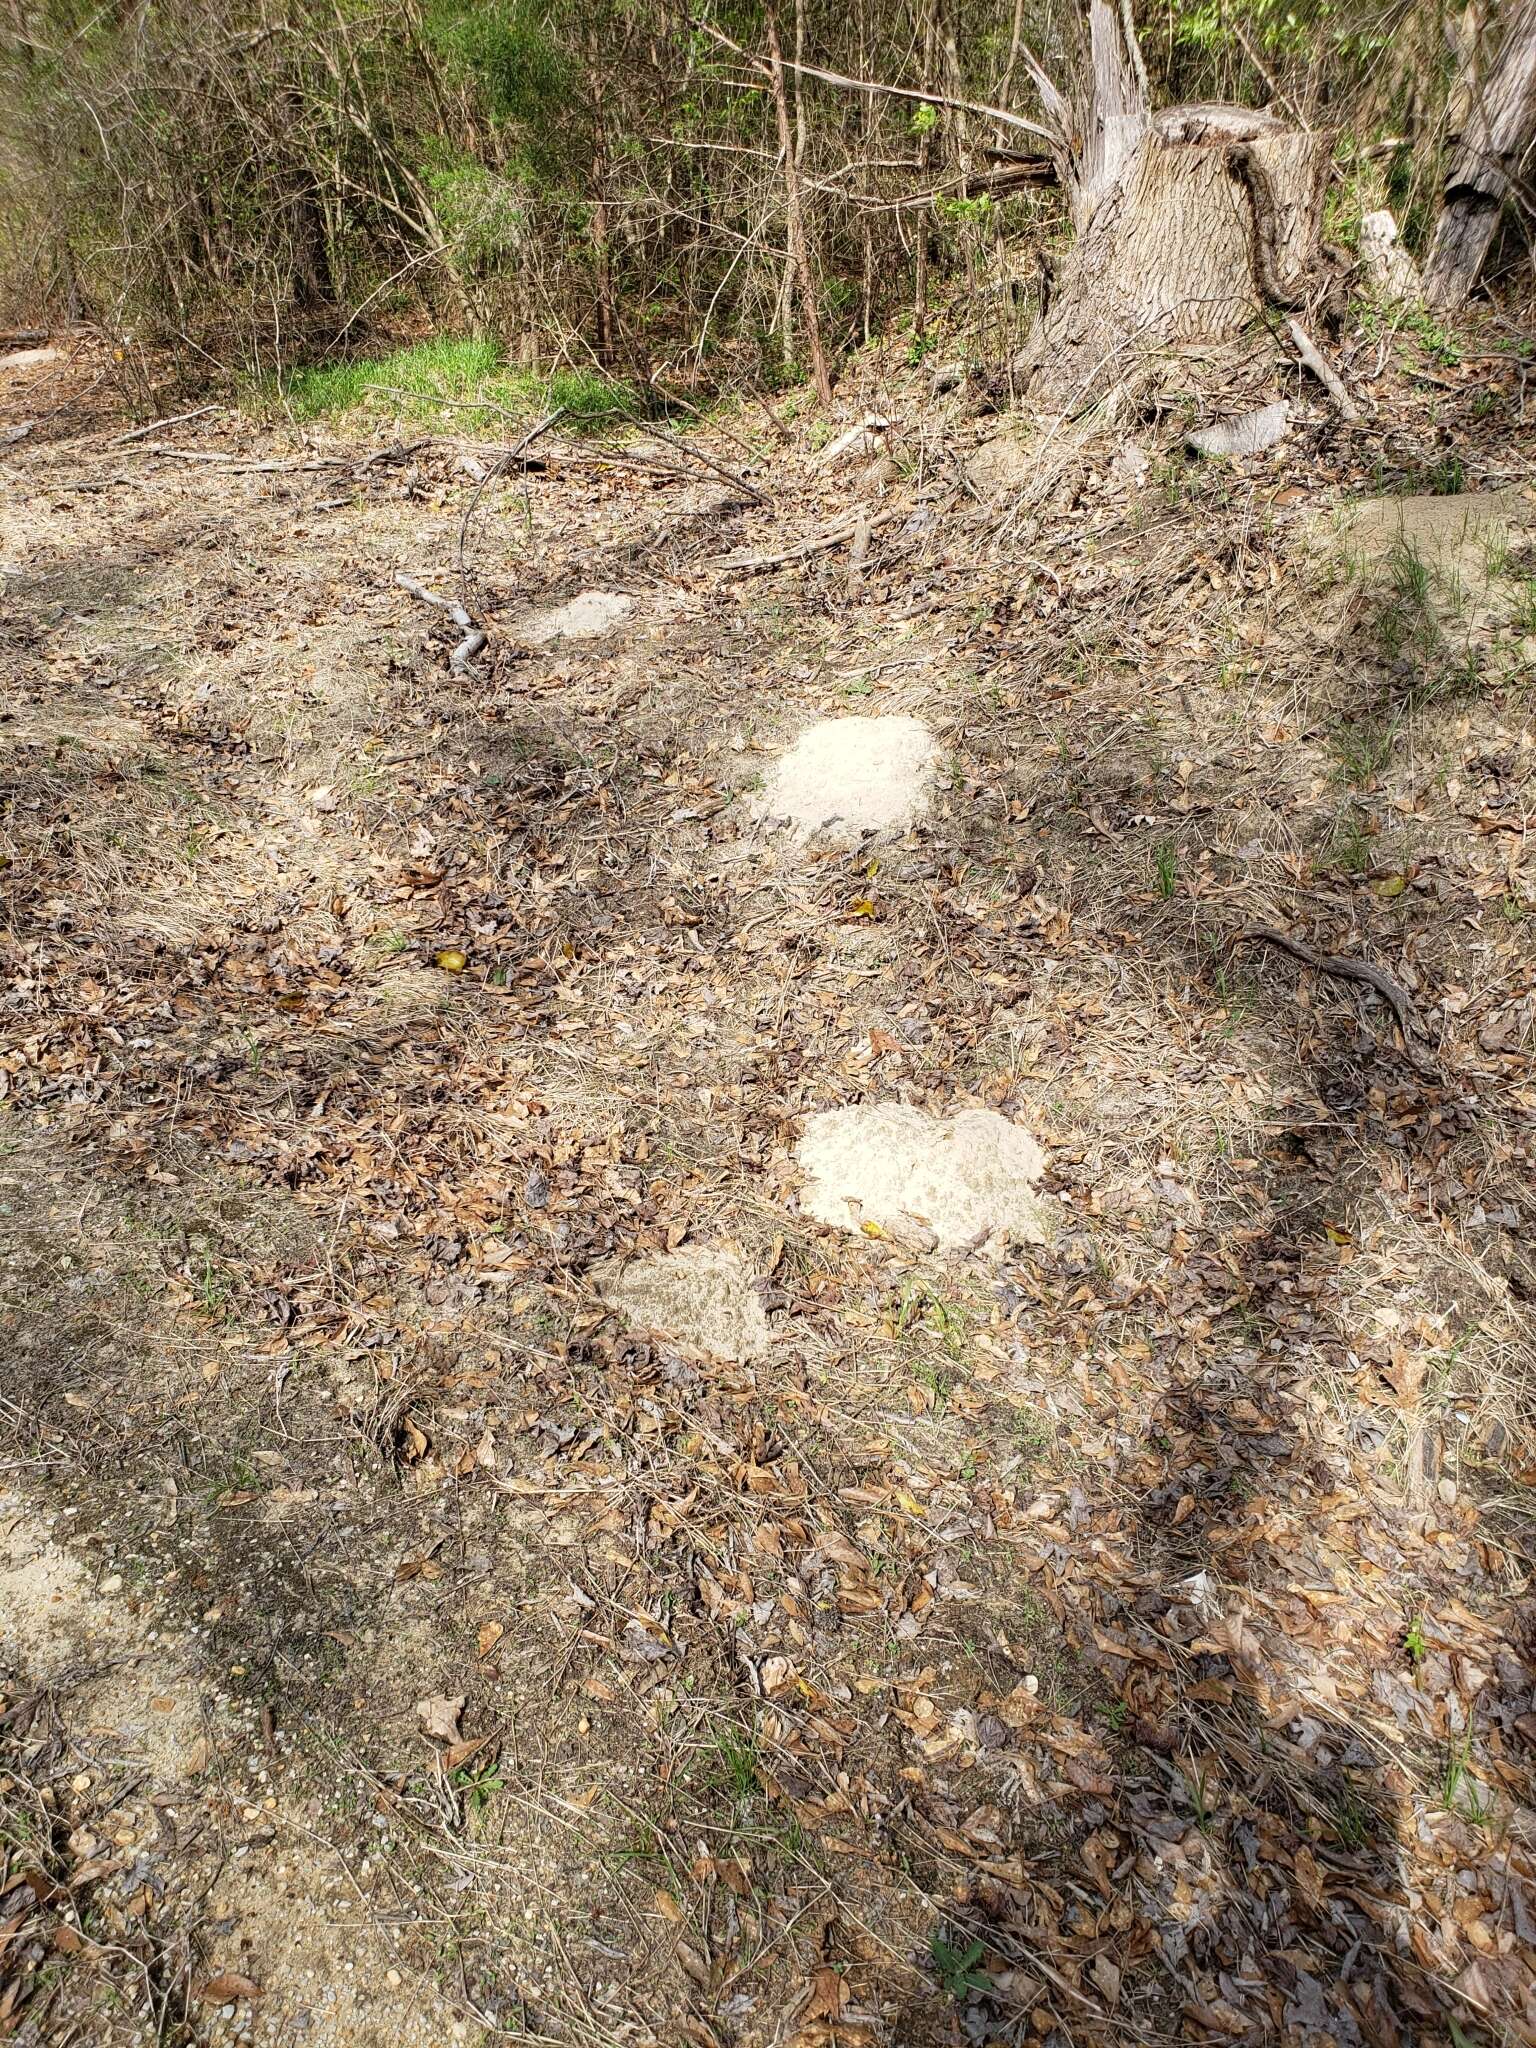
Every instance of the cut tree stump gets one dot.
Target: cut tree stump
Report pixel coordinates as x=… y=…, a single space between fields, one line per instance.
x=1214 y=211
x=1189 y=220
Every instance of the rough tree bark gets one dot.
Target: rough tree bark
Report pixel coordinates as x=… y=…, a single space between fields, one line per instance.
x=1485 y=170
x=799 y=250
x=1188 y=220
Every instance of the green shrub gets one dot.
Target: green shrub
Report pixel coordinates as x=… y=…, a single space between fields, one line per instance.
x=528 y=82
x=422 y=377
x=467 y=376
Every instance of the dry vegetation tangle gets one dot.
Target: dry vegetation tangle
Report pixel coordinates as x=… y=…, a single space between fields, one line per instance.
x=1123 y=1638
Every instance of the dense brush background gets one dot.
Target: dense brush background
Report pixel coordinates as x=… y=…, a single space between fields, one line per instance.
x=597 y=186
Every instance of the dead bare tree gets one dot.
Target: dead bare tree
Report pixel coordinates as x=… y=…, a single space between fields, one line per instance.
x=1486 y=167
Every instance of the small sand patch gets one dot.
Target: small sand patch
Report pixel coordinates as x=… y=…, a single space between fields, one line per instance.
x=959 y=1181
x=31 y=358
x=846 y=777
x=588 y=615
x=131 y=1689
x=1463 y=541
x=53 y=1621
x=704 y=1298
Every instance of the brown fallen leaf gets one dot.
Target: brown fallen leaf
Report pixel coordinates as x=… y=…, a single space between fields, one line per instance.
x=42 y=1887
x=1309 y=1878
x=1107 y=1977
x=694 y=1964
x=440 y=1717
x=828 y=1995
x=12 y=1928
x=491 y=1633
x=229 y=1984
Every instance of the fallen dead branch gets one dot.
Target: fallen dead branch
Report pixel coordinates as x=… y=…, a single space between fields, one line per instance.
x=692 y=454
x=240 y=464
x=829 y=537
x=1313 y=359
x=474 y=639
x=1339 y=966
x=175 y=419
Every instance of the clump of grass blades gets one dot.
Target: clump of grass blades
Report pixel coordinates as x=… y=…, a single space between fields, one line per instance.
x=467 y=376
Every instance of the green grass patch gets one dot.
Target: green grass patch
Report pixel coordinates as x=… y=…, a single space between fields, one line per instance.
x=467 y=379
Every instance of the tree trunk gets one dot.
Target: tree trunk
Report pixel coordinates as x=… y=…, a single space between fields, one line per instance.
x=602 y=251
x=798 y=249
x=924 y=155
x=1215 y=211
x=1188 y=221
x=1491 y=149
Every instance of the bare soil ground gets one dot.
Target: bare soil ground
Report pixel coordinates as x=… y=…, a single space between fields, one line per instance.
x=1120 y=1638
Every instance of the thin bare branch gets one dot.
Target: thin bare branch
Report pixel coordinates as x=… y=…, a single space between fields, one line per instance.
x=895 y=92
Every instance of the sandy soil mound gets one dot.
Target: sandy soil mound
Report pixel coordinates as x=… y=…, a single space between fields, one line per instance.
x=846 y=777
x=588 y=615
x=1461 y=539
x=953 y=1182
x=703 y=1297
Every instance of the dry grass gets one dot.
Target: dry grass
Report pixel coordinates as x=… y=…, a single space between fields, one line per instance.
x=1004 y=1603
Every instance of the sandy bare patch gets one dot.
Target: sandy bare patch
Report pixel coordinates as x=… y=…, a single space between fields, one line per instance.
x=846 y=777
x=31 y=358
x=702 y=1296
x=587 y=616
x=52 y=1619
x=139 y=1701
x=1461 y=539
x=956 y=1181
x=330 y=1979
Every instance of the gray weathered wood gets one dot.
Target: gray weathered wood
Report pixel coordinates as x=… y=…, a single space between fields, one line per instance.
x=1498 y=136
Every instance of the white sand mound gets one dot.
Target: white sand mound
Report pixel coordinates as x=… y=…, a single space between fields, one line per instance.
x=964 y=1180
x=703 y=1298
x=31 y=358
x=848 y=776
x=587 y=615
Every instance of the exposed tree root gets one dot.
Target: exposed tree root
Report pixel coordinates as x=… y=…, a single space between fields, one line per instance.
x=1340 y=967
